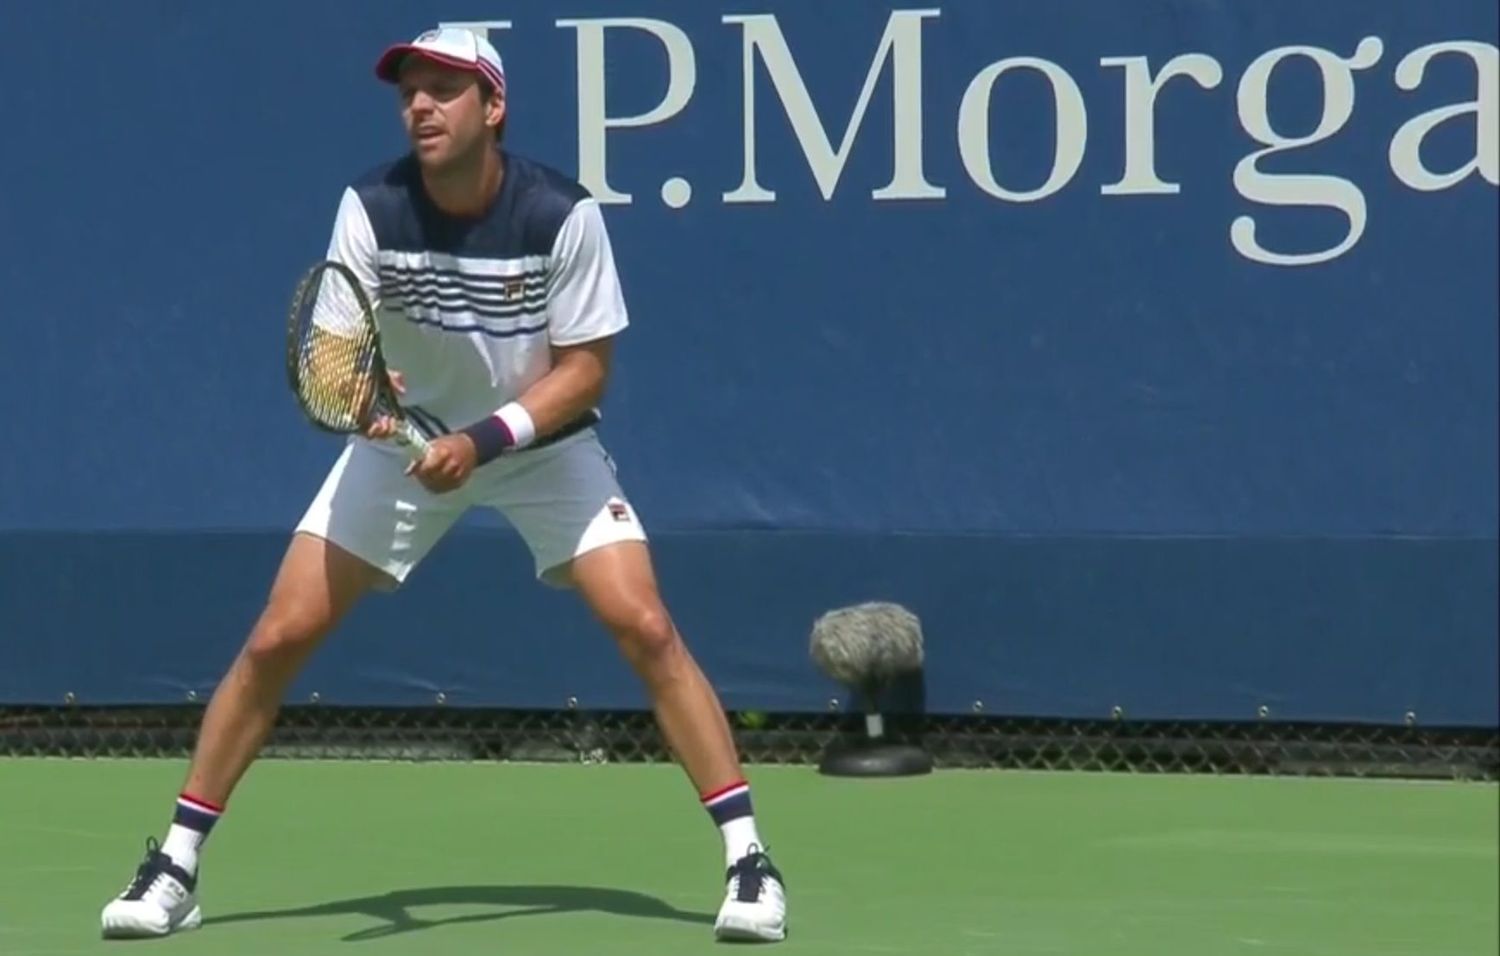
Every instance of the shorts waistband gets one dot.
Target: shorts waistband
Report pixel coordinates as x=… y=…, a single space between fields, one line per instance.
x=586 y=420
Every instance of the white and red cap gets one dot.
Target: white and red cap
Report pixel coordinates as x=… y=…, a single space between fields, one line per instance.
x=451 y=46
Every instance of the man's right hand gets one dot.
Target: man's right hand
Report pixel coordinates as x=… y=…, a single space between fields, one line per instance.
x=384 y=426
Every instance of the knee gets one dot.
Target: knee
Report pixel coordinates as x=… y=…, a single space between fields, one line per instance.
x=282 y=638
x=646 y=635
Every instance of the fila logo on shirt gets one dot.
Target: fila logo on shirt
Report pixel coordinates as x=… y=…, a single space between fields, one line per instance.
x=1278 y=183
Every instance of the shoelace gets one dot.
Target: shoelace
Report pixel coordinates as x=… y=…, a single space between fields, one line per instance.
x=747 y=876
x=151 y=868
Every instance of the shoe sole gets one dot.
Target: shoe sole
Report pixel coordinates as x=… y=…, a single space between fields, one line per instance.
x=734 y=930
x=191 y=921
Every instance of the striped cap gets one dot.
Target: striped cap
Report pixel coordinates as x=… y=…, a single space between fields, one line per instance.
x=451 y=46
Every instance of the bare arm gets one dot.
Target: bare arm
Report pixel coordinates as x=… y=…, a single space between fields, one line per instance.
x=574 y=385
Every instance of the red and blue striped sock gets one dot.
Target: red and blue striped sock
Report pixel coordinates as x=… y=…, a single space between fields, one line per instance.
x=731 y=810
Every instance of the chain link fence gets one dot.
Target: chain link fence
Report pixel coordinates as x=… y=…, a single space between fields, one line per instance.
x=974 y=742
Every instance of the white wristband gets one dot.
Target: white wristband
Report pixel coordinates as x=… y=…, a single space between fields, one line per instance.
x=518 y=420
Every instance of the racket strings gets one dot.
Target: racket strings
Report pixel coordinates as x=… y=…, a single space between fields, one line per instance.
x=335 y=375
x=337 y=355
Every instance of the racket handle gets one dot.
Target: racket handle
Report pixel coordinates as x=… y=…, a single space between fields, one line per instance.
x=410 y=439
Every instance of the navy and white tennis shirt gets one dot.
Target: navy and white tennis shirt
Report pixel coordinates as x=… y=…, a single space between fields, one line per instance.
x=468 y=309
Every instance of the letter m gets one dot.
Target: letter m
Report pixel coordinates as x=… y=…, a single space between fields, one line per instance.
x=902 y=44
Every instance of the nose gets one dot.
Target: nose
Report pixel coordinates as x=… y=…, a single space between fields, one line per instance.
x=421 y=102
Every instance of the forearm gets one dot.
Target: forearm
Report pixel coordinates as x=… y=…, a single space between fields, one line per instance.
x=573 y=385
x=564 y=393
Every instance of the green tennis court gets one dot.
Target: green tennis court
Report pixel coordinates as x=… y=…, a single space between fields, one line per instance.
x=459 y=858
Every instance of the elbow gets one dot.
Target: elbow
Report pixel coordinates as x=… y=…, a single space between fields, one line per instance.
x=594 y=393
x=593 y=377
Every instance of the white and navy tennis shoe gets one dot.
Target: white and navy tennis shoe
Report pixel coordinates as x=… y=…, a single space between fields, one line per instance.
x=160 y=900
x=754 y=907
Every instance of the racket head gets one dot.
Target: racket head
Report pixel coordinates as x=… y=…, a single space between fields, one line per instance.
x=333 y=359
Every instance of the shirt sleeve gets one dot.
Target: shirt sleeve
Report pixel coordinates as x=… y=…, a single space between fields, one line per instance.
x=353 y=245
x=584 y=300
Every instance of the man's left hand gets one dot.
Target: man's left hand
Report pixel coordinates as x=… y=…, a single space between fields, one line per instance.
x=447 y=465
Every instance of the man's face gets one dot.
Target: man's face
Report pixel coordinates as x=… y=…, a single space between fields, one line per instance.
x=444 y=111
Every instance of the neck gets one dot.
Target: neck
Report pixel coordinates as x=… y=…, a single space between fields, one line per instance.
x=468 y=186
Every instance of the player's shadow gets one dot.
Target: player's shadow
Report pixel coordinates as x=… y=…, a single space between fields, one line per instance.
x=394 y=908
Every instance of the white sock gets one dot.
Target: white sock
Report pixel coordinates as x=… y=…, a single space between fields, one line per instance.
x=192 y=821
x=739 y=836
x=182 y=845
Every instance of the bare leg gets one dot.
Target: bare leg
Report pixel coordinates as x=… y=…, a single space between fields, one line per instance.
x=619 y=585
x=317 y=584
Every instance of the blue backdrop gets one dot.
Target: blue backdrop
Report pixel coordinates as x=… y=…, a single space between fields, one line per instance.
x=1147 y=351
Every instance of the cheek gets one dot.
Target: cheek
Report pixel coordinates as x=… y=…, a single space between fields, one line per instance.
x=467 y=118
x=470 y=112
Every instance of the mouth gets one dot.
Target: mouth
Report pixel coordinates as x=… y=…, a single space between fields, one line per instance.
x=427 y=135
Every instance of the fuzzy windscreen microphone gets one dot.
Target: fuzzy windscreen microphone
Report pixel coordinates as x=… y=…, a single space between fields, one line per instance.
x=866 y=646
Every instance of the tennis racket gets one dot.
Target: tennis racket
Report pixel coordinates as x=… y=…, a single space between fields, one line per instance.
x=333 y=358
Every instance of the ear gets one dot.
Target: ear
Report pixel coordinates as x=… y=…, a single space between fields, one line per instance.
x=494 y=110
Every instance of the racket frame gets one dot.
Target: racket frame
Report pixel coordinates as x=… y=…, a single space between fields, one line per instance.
x=385 y=401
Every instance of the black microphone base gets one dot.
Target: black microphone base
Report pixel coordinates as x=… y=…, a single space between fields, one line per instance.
x=873 y=758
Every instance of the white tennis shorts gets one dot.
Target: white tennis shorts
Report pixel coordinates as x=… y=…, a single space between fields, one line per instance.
x=563 y=499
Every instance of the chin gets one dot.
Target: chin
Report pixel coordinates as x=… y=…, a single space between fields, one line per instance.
x=450 y=153
x=432 y=158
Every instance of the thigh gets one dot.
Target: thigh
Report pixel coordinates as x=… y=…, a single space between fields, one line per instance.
x=618 y=584
x=316 y=585
x=565 y=501
x=375 y=512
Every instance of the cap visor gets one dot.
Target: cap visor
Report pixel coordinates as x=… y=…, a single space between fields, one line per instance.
x=388 y=67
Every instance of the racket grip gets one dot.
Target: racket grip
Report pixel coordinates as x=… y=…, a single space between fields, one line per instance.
x=410 y=439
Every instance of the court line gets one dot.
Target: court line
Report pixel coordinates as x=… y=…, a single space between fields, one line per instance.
x=62 y=831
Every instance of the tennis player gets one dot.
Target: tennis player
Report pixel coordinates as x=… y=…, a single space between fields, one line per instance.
x=498 y=302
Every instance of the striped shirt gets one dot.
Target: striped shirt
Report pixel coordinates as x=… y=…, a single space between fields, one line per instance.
x=469 y=309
